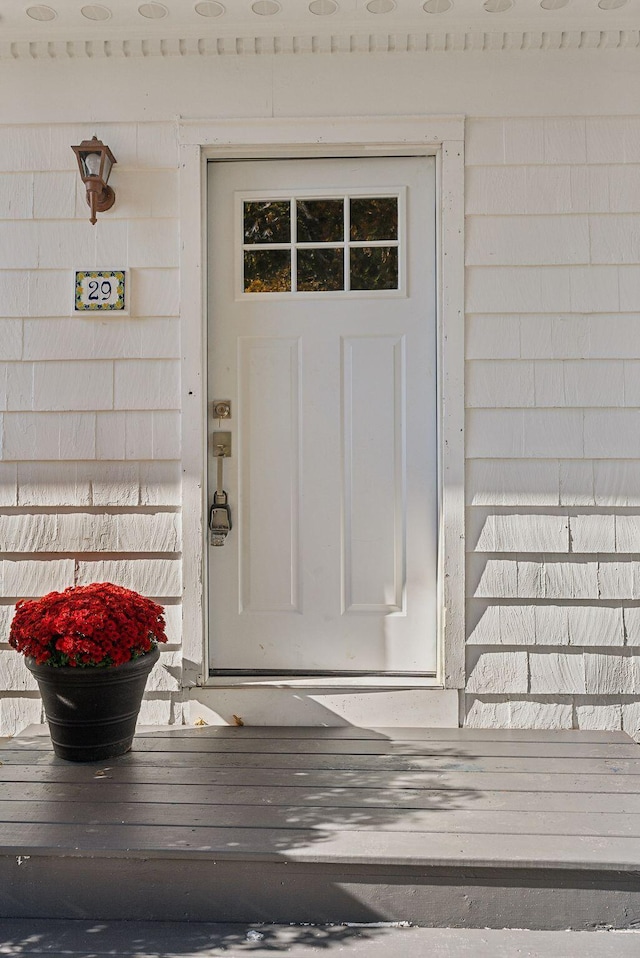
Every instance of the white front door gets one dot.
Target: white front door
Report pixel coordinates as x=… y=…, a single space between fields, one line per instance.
x=322 y=336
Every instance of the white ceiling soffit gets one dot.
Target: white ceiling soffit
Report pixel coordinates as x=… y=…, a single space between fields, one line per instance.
x=74 y=28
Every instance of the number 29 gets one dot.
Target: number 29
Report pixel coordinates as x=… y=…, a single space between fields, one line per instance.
x=99 y=292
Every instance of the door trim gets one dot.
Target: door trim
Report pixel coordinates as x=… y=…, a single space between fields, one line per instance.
x=442 y=137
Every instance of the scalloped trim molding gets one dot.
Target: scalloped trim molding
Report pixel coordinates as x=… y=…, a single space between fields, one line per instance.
x=523 y=40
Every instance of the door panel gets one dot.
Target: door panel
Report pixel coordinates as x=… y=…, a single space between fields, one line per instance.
x=374 y=483
x=322 y=334
x=270 y=487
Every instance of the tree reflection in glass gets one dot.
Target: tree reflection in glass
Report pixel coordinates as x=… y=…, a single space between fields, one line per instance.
x=320 y=221
x=267 y=271
x=366 y=226
x=374 y=218
x=374 y=267
x=320 y=269
x=267 y=222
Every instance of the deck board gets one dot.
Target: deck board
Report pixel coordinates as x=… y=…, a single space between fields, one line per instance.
x=614 y=782
x=211 y=796
x=338 y=733
x=351 y=747
x=326 y=845
x=397 y=748
x=200 y=818
x=301 y=761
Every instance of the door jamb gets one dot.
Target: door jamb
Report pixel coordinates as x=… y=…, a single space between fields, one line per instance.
x=203 y=140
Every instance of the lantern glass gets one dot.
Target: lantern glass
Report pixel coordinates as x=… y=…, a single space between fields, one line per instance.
x=106 y=169
x=91 y=163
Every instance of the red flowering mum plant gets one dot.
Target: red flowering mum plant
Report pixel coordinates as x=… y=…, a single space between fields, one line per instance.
x=99 y=625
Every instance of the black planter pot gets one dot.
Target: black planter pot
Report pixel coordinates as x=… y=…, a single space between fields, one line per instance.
x=92 y=713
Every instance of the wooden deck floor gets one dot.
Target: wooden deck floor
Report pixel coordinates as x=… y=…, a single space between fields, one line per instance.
x=498 y=828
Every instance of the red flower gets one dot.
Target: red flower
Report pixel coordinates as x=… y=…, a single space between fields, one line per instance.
x=89 y=625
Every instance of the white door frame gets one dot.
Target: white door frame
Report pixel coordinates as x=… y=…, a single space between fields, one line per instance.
x=200 y=141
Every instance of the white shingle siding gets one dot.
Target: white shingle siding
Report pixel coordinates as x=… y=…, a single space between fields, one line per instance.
x=499 y=672
x=631 y=718
x=33 y=577
x=15 y=676
x=515 y=532
x=597 y=625
x=551 y=672
x=130 y=338
x=593 y=533
x=90 y=471
x=154 y=577
x=511 y=482
x=590 y=716
x=18 y=710
x=610 y=673
x=531 y=713
x=553 y=421
x=131 y=532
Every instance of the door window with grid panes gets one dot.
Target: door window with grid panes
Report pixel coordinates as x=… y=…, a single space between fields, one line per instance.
x=322 y=244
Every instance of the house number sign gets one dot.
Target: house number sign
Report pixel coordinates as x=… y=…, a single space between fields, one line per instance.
x=100 y=290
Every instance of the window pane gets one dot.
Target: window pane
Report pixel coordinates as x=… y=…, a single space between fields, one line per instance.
x=267 y=271
x=320 y=269
x=267 y=222
x=374 y=267
x=374 y=218
x=320 y=221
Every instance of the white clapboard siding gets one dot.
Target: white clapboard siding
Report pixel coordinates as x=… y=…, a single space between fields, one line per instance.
x=90 y=473
x=553 y=422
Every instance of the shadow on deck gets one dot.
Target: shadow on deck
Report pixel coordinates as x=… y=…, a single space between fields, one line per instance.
x=438 y=827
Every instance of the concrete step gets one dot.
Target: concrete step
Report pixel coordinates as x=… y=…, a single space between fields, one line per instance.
x=81 y=939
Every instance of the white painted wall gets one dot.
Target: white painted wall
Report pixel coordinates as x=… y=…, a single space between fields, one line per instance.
x=90 y=470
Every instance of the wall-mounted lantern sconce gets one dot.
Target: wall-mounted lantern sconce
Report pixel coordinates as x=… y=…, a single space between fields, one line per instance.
x=95 y=161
